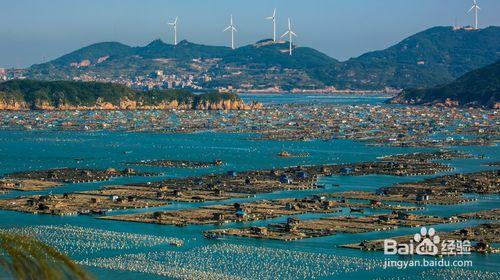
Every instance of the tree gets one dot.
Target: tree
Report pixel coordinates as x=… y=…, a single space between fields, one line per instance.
x=24 y=257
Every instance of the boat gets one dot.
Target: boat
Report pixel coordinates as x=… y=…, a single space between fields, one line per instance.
x=359 y=210
x=176 y=243
x=212 y=235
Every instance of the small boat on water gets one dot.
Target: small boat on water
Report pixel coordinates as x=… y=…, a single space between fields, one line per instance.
x=354 y=209
x=212 y=235
x=176 y=243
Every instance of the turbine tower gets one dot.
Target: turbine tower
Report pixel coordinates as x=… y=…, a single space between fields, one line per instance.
x=290 y=33
x=233 y=29
x=273 y=18
x=475 y=7
x=174 y=25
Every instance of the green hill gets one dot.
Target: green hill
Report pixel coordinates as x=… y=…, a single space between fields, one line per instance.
x=93 y=53
x=266 y=53
x=30 y=94
x=480 y=87
x=434 y=56
x=184 y=50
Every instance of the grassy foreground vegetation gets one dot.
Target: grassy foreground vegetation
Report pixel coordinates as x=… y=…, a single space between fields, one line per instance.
x=24 y=257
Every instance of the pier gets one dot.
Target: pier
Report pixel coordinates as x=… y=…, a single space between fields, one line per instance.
x=36 y=180
x=295 y=229
x=252 y=211
x=178 y=163
x=483 y=235
x=74 y=204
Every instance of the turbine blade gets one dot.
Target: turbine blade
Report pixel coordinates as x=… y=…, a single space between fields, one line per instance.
x=293 y=33
x=470 y=9
x=234 y=28
x=227 y=28
x=176 y=18
x=284 y=34
x=274 y=13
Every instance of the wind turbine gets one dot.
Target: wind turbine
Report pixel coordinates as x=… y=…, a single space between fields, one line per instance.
x=290 y=33
x=174 y=25
x=233 y=29
x=475 y=7
x=273 y=18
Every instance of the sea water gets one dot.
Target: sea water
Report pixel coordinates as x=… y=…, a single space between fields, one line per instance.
x=125 y=250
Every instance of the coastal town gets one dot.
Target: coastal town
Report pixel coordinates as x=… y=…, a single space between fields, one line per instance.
x=199 y=81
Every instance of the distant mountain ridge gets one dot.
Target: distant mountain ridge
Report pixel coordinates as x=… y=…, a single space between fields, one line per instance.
x=155 y=49
x=478 y=88
x=431 y=57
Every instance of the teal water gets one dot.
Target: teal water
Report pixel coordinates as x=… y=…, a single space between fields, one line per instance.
x=140 y=256
x=305 y=98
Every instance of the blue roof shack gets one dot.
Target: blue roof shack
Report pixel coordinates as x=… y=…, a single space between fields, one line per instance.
x=285 y=179
x=422 y=197
x=346 y=171
x=392 y=164
x=241 y=213
x=232 y=173
x=199 y=182
x=303 y=175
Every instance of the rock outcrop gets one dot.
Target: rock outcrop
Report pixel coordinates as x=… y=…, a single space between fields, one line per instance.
x=227 y=105
x=68 y=95
x=126 y=104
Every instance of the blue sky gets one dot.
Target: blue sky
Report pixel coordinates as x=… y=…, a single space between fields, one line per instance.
x=34 y=31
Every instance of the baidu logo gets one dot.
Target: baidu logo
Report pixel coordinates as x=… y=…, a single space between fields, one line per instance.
x=427 y=243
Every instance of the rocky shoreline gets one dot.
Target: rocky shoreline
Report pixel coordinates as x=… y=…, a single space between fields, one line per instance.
x=127 y=104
